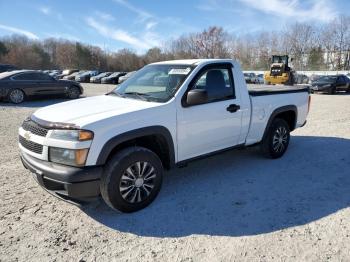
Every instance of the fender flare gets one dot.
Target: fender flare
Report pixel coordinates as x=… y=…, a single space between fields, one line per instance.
x=280 y=110
x=137 y=133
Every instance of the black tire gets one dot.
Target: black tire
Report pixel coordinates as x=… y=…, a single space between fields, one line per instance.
x=120 y=190
x=73 y=92
x=16 y=96
x=348 y=89
x=276 y=141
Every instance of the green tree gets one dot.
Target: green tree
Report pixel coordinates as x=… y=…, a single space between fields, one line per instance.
x=3 y=49
x=83 y=56
x=316 y=59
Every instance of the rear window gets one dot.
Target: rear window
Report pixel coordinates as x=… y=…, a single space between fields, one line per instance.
x=5 y=75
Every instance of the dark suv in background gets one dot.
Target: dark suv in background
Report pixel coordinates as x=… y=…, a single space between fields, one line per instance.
x=18 y=85
x=331 y=84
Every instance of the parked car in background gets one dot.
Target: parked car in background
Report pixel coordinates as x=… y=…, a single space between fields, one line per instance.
x=85 y=77
x=113 y=78
x=97 y=79
x=301 y=79
x=7 y=68
x=73 y=75
x=16 y=86
x=55 y=73
x=259 y=79
x=313 y=78
x=67 y=72
x=331 y=84
x=250 y=78
x=125 y=77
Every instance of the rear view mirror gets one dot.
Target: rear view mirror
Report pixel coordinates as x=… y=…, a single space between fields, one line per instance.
x=197 y=96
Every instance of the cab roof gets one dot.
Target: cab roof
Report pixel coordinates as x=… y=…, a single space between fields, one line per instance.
x=192 y=61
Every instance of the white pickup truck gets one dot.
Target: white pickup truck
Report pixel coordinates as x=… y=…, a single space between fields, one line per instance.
x=168 y=113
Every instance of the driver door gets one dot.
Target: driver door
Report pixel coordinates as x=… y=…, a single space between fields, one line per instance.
x=215 y=125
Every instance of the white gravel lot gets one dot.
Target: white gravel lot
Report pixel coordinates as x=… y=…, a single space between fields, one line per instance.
x=237 y=206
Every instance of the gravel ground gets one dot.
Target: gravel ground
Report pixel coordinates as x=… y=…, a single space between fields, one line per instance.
x=236 y=206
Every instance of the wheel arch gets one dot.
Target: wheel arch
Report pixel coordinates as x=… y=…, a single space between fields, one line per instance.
x=288 y=113
x=155 y=138
x=77 y=86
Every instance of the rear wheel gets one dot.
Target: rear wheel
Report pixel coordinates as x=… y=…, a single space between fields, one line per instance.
x=276 y=141
x=16 y=96
x=131 y=179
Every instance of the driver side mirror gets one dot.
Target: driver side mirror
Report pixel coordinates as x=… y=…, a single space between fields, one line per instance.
x=196 y=97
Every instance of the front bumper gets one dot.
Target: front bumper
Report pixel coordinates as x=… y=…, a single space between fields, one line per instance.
x=320 y=88
x=72 y=184
x=276 y=79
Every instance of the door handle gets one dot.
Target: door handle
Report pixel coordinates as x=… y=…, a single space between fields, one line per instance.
x=233 y=108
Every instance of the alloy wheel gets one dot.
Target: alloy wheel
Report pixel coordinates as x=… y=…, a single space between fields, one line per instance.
x=137 y=182
x=16 y=96
x=280 y=139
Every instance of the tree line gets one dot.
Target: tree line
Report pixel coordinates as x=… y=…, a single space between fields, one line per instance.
x=312 y=47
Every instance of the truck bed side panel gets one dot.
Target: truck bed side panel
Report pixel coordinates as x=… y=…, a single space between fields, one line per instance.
x=264 y=105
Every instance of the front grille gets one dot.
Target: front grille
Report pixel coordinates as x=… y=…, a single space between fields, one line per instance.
x=31 y=146
x=34 y=128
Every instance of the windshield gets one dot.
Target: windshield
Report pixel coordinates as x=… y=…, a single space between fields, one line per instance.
x=5 y=74
x=115 y=74
x=280 y=59
x=327 y=78
x=154 y=82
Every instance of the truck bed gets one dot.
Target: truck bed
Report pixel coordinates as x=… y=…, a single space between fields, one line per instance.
x=262 y=90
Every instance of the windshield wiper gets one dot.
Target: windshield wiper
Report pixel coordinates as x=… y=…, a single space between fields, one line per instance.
x=138 y=94
x=115 y=94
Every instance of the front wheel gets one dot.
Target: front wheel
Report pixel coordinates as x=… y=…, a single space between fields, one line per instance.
x=131 y=179
x=276 y=141
x=73 y=92
x=16 y=96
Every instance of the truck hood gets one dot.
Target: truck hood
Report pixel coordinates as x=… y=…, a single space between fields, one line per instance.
x=92 y=108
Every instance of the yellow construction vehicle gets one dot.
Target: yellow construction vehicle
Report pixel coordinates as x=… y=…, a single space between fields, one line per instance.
x=280 y=72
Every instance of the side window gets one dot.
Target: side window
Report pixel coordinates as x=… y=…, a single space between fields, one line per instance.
x=43 y=77
x=217 y=82
x=25 y=76
x=340 y=80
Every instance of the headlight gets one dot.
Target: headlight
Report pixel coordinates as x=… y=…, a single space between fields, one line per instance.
x=72 y=135
x=71 y=157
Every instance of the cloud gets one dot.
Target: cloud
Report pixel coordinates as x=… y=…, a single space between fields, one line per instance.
x=320 y=10
x=105 y=16
x=121 y=35
x=143 y=15
x=209 y=5
x=150 y=25
x=45 y=10
x=18 y=31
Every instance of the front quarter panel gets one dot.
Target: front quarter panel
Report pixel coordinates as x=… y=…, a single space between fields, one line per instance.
x=163 y=115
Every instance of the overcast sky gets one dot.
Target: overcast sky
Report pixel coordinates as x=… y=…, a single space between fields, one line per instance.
x=141 y=24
